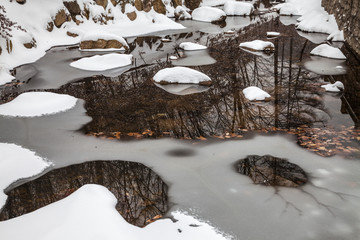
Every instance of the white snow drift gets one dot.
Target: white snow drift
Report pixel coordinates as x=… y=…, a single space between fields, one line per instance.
x=272 y=34
x=255 y=94
x=89 y=213
x=336 y=87
x=180 y=75
x=16 y=163
x=103 y=62
x=238 y=8
x=5 y=75
x=95 y=35
x=258 y=45
x=325 y=50
x=189 y=46
x=208 y=14
x=34 y=104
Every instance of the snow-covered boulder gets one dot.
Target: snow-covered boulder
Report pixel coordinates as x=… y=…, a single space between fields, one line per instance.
x=189 y=46
x=5 y=75
x=208 y=14
x=255 y=94
x=325 y=50
x=272 y=34
x=317 y=20
x=35 y=104
x=258 y=45
x=336 y=36
x=336 y=87
x=103 y=62
x=181 y=13
x=181 y=75
x=102 y=40
x=238 y=8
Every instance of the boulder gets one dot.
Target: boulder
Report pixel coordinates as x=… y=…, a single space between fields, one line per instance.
x=73 y=8
x=159 y=6
x=0 y=50
x=21 y=1
x=102 y=3
x=192 y=4
x=31 y=44
x=131 y=15
x=60 y=18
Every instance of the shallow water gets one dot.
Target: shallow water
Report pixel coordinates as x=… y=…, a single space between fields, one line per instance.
x=200 y=174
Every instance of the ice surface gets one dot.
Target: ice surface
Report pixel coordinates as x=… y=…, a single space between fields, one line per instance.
x=103 y=62
x=34 y=104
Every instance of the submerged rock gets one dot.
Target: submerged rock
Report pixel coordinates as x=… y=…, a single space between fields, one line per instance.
x=272 y=171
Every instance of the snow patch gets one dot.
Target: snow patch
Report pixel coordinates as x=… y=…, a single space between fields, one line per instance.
x=255 y=94
x=258 y=45
x=272 y=34
x=103 y=62
x=35 y=104
x=336 y=87
x=189 y=46
x=325 y=50
x=238 y=8
x=5 y=76
x=180 y=75
x=208 y=14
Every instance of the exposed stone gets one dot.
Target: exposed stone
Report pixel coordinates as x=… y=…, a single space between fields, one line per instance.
x=101 y=44
x=272 y=171
x=72 y=34
x=115 y=2
x=192 y=4
x=50 y=26
x=9 y=46
x=159 y=6
x=176 y=3
x=102 y=3
x=31 y=44
x=132 y=15
x=220 y=20
x=74 y=9
x=347 y=14
x=0 y=50
x=21 y=1
x=113 y=44
x=147 y=5
x=139 y=5
x=60 y=18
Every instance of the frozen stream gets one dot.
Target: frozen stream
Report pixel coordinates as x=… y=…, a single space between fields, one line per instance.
x=201 y=176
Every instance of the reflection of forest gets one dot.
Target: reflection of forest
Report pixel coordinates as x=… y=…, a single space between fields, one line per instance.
x=141 y=194
x=131 y=105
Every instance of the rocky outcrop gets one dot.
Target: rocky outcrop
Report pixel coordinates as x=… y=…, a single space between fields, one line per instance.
x=60 y=18
x=347 y=14
x=101 y=44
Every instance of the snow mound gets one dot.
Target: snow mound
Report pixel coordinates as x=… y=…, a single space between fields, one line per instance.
x=16 y=163
x=35 y=104
x=272 y=34
x=238 y=8
x=317 y=21
x=181 y=75
x=336 y=36
x=208 y=14
x=258 y=45
x=297 y=7
x=189 y=46
x=213 y=3
x=183 y=89
x=255 y=94
x=325 y=50
x=89 y=213
x=103 y=62
x=5 y=76
x=96 y=35
x=336 y=87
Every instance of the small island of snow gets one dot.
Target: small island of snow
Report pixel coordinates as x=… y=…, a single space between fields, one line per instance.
x=181 y=75
x=189 y=46
x=35 y=104
x=258 y=45
x=100 y=40
x=325 y=50
x=336 y=87
x=208 y=14
x=103 y=62
x=272 y=34
x=255 y=94
x=233 y=8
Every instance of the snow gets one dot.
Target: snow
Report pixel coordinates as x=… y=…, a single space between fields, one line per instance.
x=182 y=12
x=212 y=3
x=189 y=46
x=103 y=62
x=257 y=45
x=336 y=36
x=35 y=104
x=255 y=94
x=207 y=14
x=180 y=75
x=336 y=87
x=272 y=34
x=95 y=35
x=5 y=76
x=89 y=213
x=17 y=162
x=238 y=8
x=183 y=89
x=325 y=50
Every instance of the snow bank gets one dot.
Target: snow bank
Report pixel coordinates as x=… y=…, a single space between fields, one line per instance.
x=255 y=94
x=89 y=213
x=336 y=36
x=181 y=75
x=16 y=163
x=5 y=75
x=208 y=14
x=238 y=8
x=336 y=87
x=189 y=46
x=35 y=104
x=258 y=45
x=103 y=62
x=182 y=13
x=95 y=35
x=213 y=3
x=325 y=50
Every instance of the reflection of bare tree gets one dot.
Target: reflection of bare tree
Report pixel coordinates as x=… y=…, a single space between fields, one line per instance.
x=141 y=194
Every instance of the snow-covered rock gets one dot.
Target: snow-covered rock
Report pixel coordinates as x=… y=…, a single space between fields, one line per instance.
x=103 y=62
x=255 y=94
x=272 y=34
x=35 y=104
x=336 y=36
x=238 y=8
x=336 y=87
x=213 y=3
x=15 y=163
x=258 y=45
x=325 y=50
x=208 y=14
x=181 y=13
x=5 y=76
x=195 y=58
x=101 y=40
x=90 y=213
x=183 y=89
x=189 y=46
x=181 y=75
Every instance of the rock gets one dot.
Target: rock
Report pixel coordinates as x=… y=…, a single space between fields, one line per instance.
x=176 y=3
x=114 y=2
x=113 y=44
x=9 y=46
x=159 y=6
x=192 y=4
x=272 y=171
x=73 y=8
x=50 y=26
x=102 y=3
x=0 y=50
x=139 y=5
x=132 y=15
x=220 y=20
x=60 y=18
x=101 y=44
x=72 y=34
x=21 y=1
